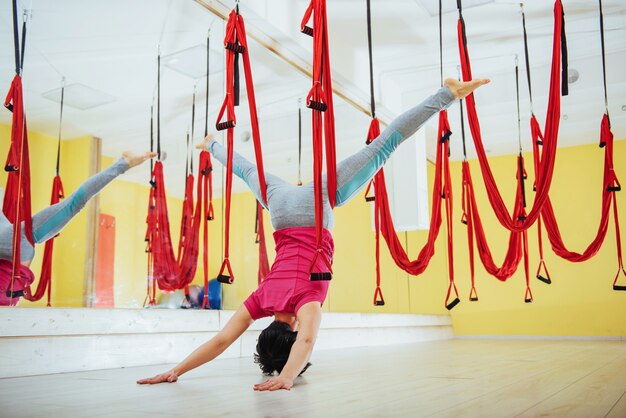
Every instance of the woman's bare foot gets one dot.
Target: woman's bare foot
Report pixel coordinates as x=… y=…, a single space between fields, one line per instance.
x=460 y=89
x=203 y=146
x=134 y=159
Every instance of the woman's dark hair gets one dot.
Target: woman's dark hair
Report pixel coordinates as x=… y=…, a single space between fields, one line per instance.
x=273 y=348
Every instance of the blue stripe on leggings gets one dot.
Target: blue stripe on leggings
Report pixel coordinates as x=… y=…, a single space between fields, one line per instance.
x=239 y=174
x=61 y=217
x=348 y=190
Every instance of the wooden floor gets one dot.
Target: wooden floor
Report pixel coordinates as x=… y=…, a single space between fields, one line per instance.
x=453 y=378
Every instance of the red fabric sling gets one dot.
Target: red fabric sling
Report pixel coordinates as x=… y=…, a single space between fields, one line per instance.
x=546 y=167
x=264 y=265
x=468 y=220
x=440 y=190
x=373 y=133
x=17 y=198
x=610 y=186
x=320 y=101
x=235 y=43
x=45 y=277
x=170 y=272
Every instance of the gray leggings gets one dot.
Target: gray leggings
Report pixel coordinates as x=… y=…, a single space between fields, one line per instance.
x=294 y=206
x=50 y=221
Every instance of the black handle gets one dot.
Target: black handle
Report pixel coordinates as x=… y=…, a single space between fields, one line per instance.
x=316 y=277
x=225 y=125
x=546 y=280
x=452 y=304
x=312 y=104
x=239 y=49
x=223 y=278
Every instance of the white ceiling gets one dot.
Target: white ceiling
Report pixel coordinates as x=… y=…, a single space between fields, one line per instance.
x=111 y=47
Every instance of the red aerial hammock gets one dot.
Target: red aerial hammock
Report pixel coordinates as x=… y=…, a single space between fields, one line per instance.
x=236 y=43
x=45 y=277
x=17 y=200
x=546 y=167
x=518 y=240
x=320 y=101
x=373 y=133
x=466 y=196
x=259 y=230
x=542 y=273
x=387 y=229
x=610 y=186
x=207 y=191
x=187 y=208
x=442 y=189
x=170 y=272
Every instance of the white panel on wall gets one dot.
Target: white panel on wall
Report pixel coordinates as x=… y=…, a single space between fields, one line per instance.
x=407 y=184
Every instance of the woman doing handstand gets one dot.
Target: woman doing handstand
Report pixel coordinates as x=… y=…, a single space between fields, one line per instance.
x=287 y=293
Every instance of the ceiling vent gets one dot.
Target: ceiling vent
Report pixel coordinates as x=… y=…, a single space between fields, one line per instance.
x=79 y=96
x=192 y=61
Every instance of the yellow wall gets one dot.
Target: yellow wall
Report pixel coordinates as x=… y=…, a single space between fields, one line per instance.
x=579 y=302
x=70 y=247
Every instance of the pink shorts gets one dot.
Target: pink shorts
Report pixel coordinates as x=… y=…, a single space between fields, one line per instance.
x=287 y=287
x=25 y=279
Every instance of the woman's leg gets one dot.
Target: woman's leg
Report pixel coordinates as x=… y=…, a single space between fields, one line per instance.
x=356 y=171
x=50 y=221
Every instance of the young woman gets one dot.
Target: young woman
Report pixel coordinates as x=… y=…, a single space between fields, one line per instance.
x=48 y=223
x=287 y=293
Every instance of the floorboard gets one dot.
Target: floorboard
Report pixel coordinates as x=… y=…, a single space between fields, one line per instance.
x=452 y=378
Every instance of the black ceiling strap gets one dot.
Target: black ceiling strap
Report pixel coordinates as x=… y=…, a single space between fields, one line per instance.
x=193 y=124
x=527 y=58
x=521 y=174
x=151 y=136
x=159 y=104
x=564 y=77
x=369 y=46
x=16 y=39
x=440 y=43
x=23 y=40
x=299 y=142
x=206 y=102
x=606 y=99
x=60 y=125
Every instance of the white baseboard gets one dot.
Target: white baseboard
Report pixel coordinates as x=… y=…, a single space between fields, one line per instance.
x=44 y=341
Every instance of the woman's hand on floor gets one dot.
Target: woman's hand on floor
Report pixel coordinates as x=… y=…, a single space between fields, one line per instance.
x=167 y=377
x=274 y=383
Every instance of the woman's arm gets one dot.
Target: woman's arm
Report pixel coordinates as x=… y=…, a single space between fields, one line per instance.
x=209 y=350
x=309 y=318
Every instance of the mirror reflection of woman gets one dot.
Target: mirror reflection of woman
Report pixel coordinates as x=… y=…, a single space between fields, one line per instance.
x=48 y=223
x=287 y=294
